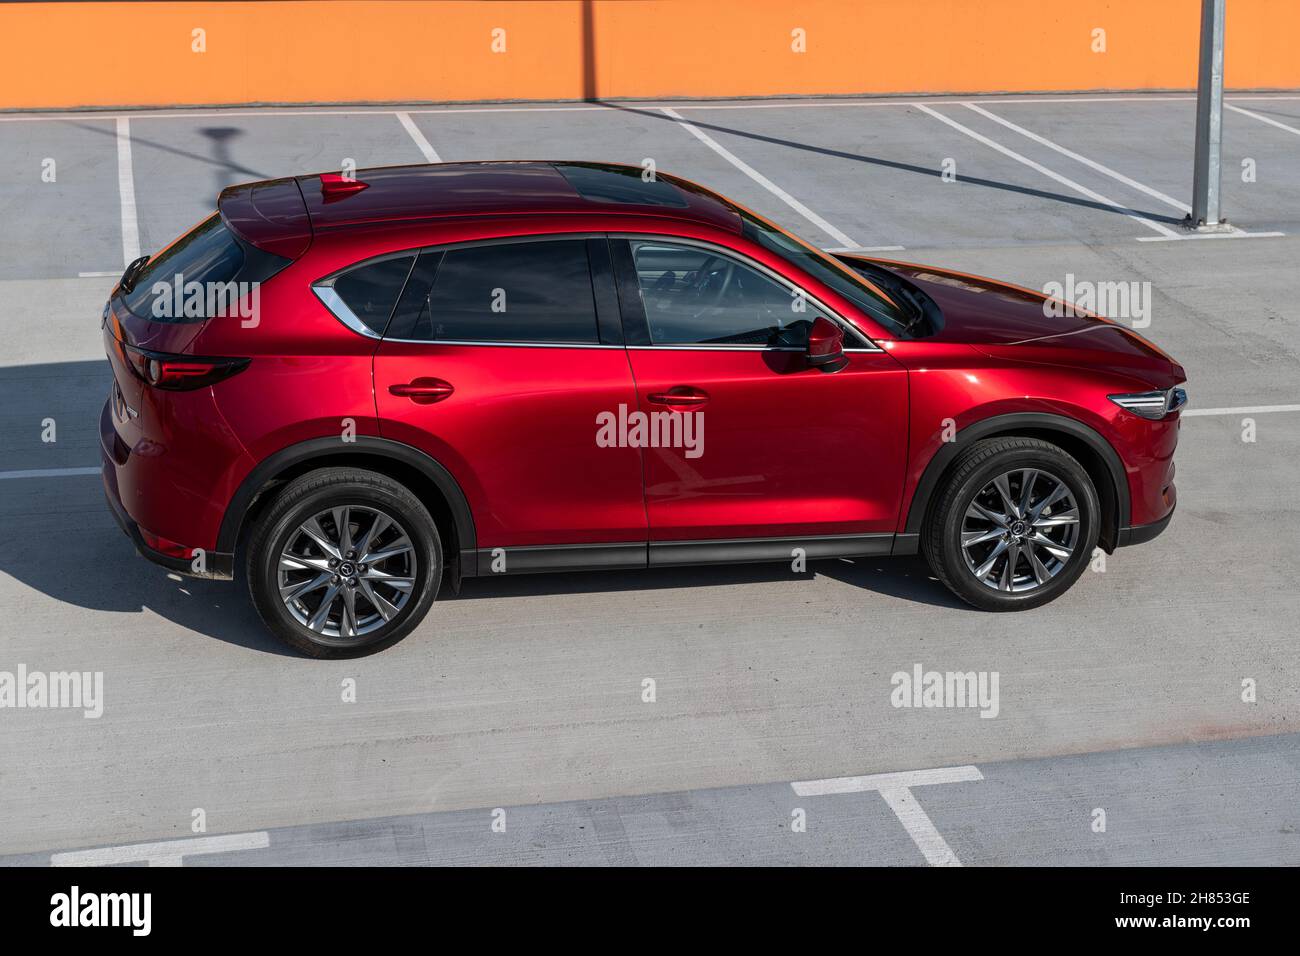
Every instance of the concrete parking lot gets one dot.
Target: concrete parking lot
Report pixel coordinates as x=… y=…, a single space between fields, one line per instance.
x=1173 y=667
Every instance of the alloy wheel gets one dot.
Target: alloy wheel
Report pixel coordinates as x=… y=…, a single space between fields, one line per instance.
x=347 y=571
x=1020 y=530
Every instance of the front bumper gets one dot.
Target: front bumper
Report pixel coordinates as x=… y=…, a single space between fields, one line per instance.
x=1141 y=534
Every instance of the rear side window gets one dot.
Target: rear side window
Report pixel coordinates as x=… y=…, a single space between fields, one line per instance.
x=207 y=254
x=371 y=291
x=516 y=292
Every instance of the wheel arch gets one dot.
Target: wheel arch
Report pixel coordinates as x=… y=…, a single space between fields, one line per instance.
x=429 y=480
x=1097 y=456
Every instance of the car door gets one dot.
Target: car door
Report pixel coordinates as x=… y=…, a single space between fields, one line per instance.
x=772 y=454
x=498 y=361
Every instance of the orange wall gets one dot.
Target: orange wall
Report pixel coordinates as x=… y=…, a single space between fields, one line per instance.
x=139 y=54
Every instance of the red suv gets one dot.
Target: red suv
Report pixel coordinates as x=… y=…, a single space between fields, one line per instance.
x=354 y=387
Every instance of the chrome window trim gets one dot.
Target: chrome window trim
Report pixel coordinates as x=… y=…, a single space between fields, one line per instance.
x=324 y=290
x=339 y=309
x=848 y=327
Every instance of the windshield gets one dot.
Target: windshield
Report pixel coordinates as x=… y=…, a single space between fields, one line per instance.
x=825 y=269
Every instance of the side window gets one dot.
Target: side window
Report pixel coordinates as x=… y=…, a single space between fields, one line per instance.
x=694 y=296
x=369 y=292
x=516 y=292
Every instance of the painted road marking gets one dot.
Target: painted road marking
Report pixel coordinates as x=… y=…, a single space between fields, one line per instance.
x=430 y=154
x=1091 y=164
x=895 y=790
x=1232 y=232
x=886 y=781
x=1063 y=180
x=762 y=180
x=49 y=472
x=920 y=828
x=97 y=275
x=1244 y=410
x=1238 y=234
x=166 y=853
x=1263 y=119
x=126 y=190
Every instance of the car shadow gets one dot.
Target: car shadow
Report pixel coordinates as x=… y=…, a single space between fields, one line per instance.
x=905 y=578
x=58 y=538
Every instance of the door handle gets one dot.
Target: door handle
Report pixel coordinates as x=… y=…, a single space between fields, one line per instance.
x=423 y=391
x=679 y=395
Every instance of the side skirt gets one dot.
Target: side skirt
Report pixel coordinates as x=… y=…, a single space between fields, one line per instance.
x=659 y=554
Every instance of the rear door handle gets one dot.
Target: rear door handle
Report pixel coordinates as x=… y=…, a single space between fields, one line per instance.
x=679 y=395
x=423 y=391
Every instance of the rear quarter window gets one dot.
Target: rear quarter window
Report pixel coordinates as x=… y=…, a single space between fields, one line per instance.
x=370 y=292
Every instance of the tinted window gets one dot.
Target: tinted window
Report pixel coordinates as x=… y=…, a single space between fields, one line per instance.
x=824 y=268
x=694 y=296
x=511 y=292
x=207 y=254
x=371 y=291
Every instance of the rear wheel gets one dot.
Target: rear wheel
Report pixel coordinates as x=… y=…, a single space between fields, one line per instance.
x=345 y=562
x=1014 y=526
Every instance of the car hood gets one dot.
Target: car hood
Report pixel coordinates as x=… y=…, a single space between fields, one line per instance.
x=1011 y=322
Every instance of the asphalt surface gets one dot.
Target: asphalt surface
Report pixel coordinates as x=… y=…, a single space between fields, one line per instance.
x=526 y=694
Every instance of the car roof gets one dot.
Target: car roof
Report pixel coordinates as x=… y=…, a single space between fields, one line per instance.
x=397 y=194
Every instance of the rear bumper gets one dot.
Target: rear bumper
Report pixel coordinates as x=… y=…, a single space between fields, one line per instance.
x=1141 y=534
x=218 y=566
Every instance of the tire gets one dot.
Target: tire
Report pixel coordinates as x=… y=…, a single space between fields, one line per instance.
x=1041 y=572
x=383 y=609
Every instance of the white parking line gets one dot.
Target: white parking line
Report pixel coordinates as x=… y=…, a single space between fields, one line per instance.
x=1234 y=233
x=1091 y=164
x=97 y=275
x=762 y=180
x=886 y=781
x=895 y=790
x=920 y=828
x=430 y=154
x=126 y=190
x=1063 y=180
x=1263 y=119
x=166 y=853
x=1244 y=410
x=49 y=472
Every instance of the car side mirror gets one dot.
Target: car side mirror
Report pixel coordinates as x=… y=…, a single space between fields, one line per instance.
x=826 y=345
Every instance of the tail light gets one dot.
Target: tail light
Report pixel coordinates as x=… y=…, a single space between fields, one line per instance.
x=180 y=373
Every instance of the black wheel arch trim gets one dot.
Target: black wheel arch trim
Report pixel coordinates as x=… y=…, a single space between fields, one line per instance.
x=1007 y=424
x=233 y=522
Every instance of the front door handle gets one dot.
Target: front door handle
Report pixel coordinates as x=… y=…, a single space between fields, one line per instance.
x=423 y=391
x=680 y=396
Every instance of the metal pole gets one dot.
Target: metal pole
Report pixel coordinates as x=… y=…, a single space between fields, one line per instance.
x=1209 y=118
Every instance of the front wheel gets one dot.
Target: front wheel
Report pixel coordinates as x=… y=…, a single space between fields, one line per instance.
x=345 y=562
x=1014 y=526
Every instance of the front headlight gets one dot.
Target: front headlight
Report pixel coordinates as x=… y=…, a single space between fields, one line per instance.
x=1153 y=405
